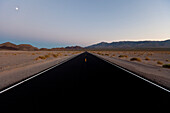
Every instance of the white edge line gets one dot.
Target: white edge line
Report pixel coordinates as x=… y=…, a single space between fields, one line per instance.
x=134 y=74
x=21 y=82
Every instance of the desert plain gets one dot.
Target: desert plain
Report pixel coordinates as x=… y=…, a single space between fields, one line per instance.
x=18 y=65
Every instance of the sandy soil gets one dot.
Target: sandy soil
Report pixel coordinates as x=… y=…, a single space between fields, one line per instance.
x=148 y=65
x=18 y=65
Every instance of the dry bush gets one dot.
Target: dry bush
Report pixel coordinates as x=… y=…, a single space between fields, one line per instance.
x=100 y=53
x=159 y=62
x=40 y=57
x=167 y=60
x=47 y=56
x=55 y=55
x=136 y=59
x=147 y=58
x=106 y=54
x=33 y=53
x=166 y=66
x=113 y=55
x=123 y=56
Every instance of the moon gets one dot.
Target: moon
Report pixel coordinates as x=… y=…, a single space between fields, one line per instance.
x=16 y=8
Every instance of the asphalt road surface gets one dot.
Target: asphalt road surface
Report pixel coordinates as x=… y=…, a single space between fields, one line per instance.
x=84 y=83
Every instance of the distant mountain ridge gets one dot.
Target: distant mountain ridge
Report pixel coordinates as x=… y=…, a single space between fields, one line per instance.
x=102 y=45
x=22 y=47
x=28 y=47
x=131 y=44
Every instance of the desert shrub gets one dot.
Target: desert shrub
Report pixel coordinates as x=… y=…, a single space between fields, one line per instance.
x=122 y=56
x=135 y=59
x=159 y=62
x=55 y=55
x=147 y=58
x=167 y=60
x=106 y=54
x=33 y=53
x=40 y=57
x=100 y=53
x=113 y=55
x=47 y=56
x=166 y=66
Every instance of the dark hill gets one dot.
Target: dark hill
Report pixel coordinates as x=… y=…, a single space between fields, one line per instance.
x=22 y=47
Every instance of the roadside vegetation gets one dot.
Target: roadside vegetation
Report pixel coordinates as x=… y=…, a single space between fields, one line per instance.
x=47 y=56
x=54 y=54
x=159 y=62
x=40 y=57
x=166 y=66
x=156 y=58
x=135 y=59
x=123 y=56
x=147 y=58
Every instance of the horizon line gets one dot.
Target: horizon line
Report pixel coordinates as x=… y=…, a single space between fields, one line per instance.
x=83 y=46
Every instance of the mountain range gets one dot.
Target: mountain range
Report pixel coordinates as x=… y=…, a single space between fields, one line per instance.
x=22 y=47
x=131 y=45
x=28 y=47
x=103 y=45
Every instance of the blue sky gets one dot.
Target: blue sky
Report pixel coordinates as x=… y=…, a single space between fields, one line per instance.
x=56 y=23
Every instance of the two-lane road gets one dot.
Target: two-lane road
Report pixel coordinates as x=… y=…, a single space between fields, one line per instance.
x=85 y=82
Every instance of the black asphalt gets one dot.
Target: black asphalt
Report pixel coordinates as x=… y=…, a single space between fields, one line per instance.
x=94 y=85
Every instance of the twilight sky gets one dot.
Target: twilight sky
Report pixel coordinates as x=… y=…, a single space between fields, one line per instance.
x=56 y=23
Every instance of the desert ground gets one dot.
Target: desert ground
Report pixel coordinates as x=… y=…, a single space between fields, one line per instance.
x=154 y=65
x=18 y=65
